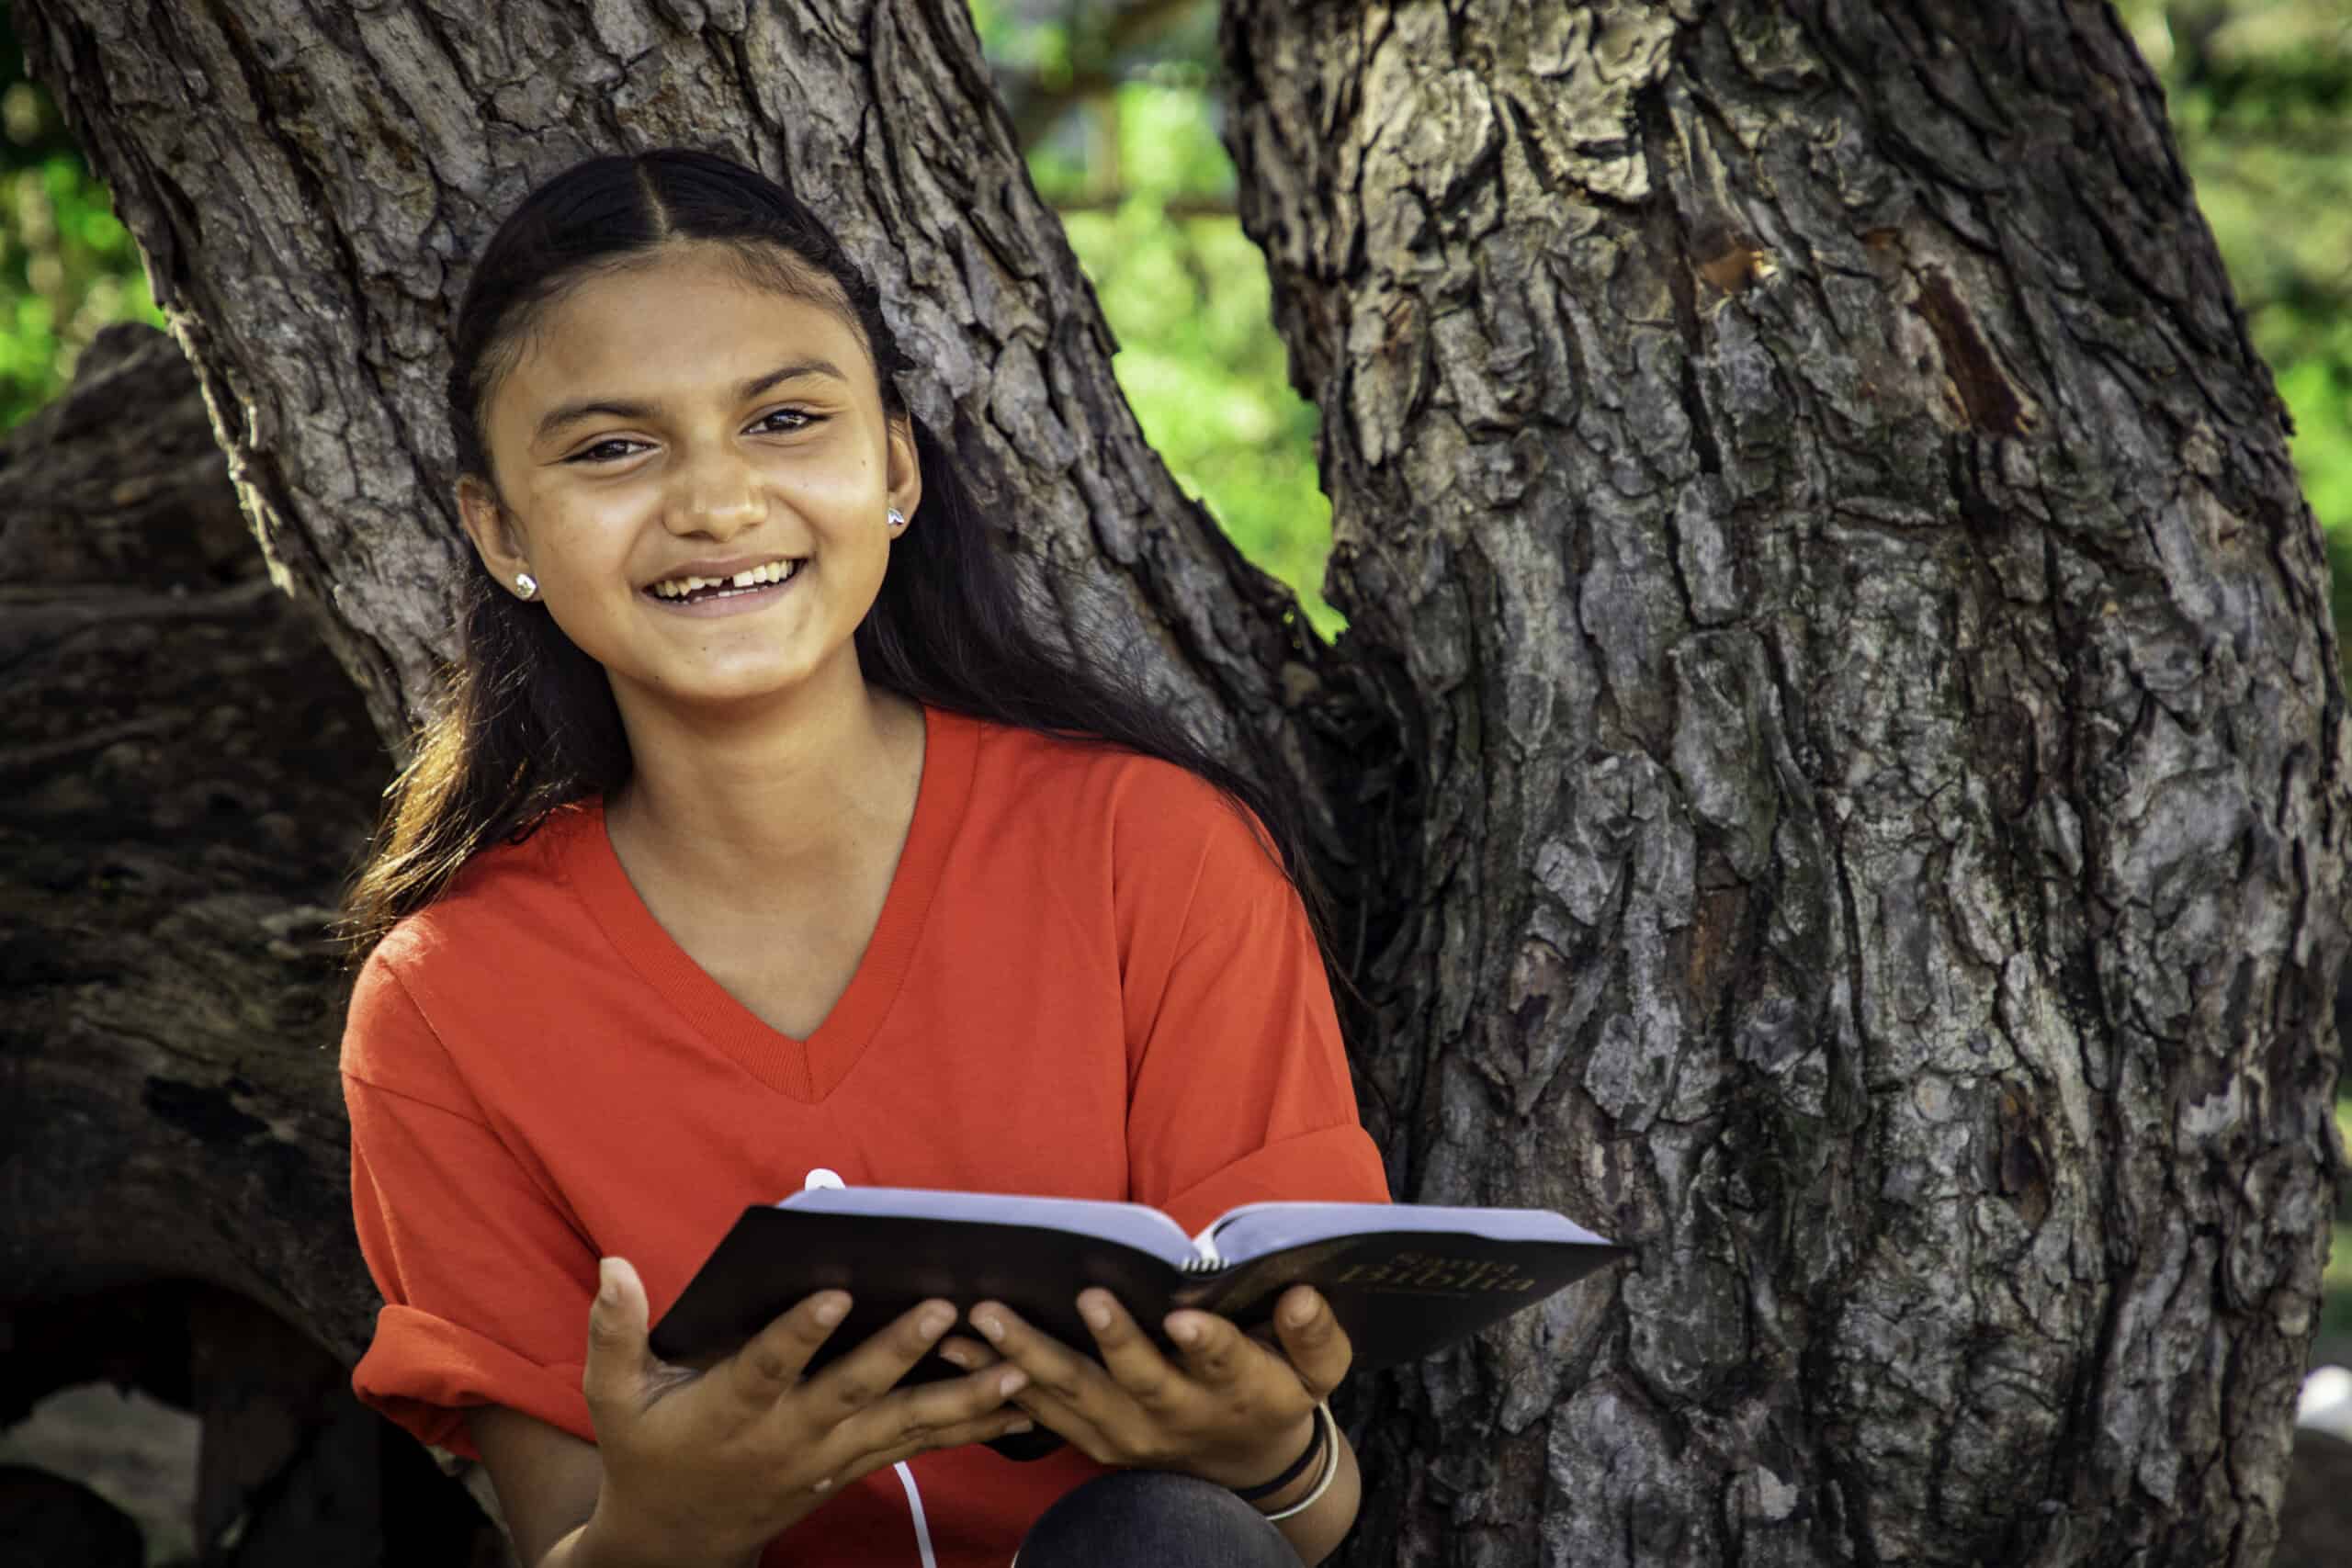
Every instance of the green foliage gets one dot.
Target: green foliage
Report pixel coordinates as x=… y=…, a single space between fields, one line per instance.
x=1016 y=42
x=2335 y=1286
x=1188 y=299
x=67 y=267
x=1132 y=158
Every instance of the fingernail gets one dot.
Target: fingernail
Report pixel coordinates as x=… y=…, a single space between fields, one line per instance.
x=1097 y=1315
x=824 y=1485
x=991 y=1325
x=1020 y=1426
x=935 y=1323
x=609 y=1289
x=1012 y=1383
x=1299 y=1313
x=1184 y=1331
x=831 y=1310
x=955 y=1355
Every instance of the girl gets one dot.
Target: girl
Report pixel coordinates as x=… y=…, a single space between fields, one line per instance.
x=763 y=843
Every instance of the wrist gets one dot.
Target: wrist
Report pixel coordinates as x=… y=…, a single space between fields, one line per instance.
x=616 y=1538
x=1286 y=1466
x=1301 y=1501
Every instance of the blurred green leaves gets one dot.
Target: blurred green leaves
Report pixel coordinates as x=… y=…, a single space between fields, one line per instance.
x=67 y=267
x=1126 y=147
x=1187 y=296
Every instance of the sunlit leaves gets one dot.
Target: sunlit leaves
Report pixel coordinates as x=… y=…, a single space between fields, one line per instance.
x=1146 y=189
x=67 y=266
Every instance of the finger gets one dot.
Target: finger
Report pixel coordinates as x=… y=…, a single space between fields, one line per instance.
x=1054 y=1369
x=1134 y=1363
x=1215 y=1352
x=620 y=1365
x=771 y=1362
x=1004 y=1422
x=1073 y=1426
x=871 y=1371
x=968 y=1354
x=1318 y=1348
x=912 y=1415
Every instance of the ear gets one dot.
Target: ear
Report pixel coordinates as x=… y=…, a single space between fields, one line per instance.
x=902 y=469
x=487 y=523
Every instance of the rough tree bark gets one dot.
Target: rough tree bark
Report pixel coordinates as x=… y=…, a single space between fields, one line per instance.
x=185 y=780
x=1885 y=767
x=1836 y=772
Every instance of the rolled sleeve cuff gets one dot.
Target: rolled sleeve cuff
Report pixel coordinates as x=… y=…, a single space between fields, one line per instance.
x=1332 y=1165
x=421 y=1372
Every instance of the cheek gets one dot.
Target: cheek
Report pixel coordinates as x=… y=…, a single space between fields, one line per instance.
x=840 y=474
x=590 y=529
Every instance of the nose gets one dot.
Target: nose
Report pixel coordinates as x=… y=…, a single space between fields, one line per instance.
x=715 y=494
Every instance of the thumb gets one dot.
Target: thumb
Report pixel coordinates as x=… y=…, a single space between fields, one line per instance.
x=1312 y=1338
x=618 y=1360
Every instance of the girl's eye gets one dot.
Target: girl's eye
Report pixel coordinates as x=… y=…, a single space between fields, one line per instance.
x=589 y=454
x=800 y=419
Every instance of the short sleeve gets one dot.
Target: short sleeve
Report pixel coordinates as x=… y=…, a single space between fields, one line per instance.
x=1239 y=1085
x=486 y=1282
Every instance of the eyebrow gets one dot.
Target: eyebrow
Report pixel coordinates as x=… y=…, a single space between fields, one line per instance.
x=564 y=414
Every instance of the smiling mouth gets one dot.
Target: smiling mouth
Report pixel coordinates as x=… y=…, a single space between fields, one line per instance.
x=696 y=590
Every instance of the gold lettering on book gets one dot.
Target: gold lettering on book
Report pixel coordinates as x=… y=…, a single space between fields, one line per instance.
x=1419 y=1271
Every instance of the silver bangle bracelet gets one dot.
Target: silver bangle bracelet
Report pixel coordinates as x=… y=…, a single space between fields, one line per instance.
x=1331 y=1442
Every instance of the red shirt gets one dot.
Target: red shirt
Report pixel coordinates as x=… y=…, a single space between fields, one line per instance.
x=1088 y=980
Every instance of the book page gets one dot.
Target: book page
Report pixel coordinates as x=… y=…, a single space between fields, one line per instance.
x=1255 y=1230
x=1144 y=1228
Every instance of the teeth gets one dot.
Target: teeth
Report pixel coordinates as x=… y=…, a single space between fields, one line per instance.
x=678 y=587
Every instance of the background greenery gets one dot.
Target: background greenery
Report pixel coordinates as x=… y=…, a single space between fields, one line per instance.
x=66 y=268
x=1115 y=101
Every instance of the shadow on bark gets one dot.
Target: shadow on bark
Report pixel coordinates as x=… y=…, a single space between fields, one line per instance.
x=186 y=777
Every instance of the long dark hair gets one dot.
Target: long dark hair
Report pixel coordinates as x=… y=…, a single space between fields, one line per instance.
x=528 y=723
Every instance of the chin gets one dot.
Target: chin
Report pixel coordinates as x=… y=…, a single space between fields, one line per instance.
x=748 y=689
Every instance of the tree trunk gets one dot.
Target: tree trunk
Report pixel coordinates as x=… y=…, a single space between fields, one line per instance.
x=1836 y=777
x=1885 y=769
x=186 y=778
x=185 y=782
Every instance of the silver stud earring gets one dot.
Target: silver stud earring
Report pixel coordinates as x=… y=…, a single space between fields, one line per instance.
x=526 y=585
x=897 y=519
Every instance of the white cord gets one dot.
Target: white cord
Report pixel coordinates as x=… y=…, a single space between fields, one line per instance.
x=914 y=1506
x=1331 y=1466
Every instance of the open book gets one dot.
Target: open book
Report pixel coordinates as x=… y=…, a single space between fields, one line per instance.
x=1404 y=1280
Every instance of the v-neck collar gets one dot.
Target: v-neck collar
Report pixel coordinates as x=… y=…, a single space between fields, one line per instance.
x=806 y=1070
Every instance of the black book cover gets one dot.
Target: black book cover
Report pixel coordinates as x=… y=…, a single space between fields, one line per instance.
x=1400 y=1293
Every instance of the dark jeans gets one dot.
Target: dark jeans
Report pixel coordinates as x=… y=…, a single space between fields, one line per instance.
x=1147 y=1518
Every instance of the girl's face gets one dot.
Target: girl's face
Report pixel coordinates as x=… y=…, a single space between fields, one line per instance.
x=697 y=472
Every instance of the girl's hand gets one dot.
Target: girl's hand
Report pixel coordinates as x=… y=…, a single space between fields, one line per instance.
x=709 y=1465
x=1232 y=1409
